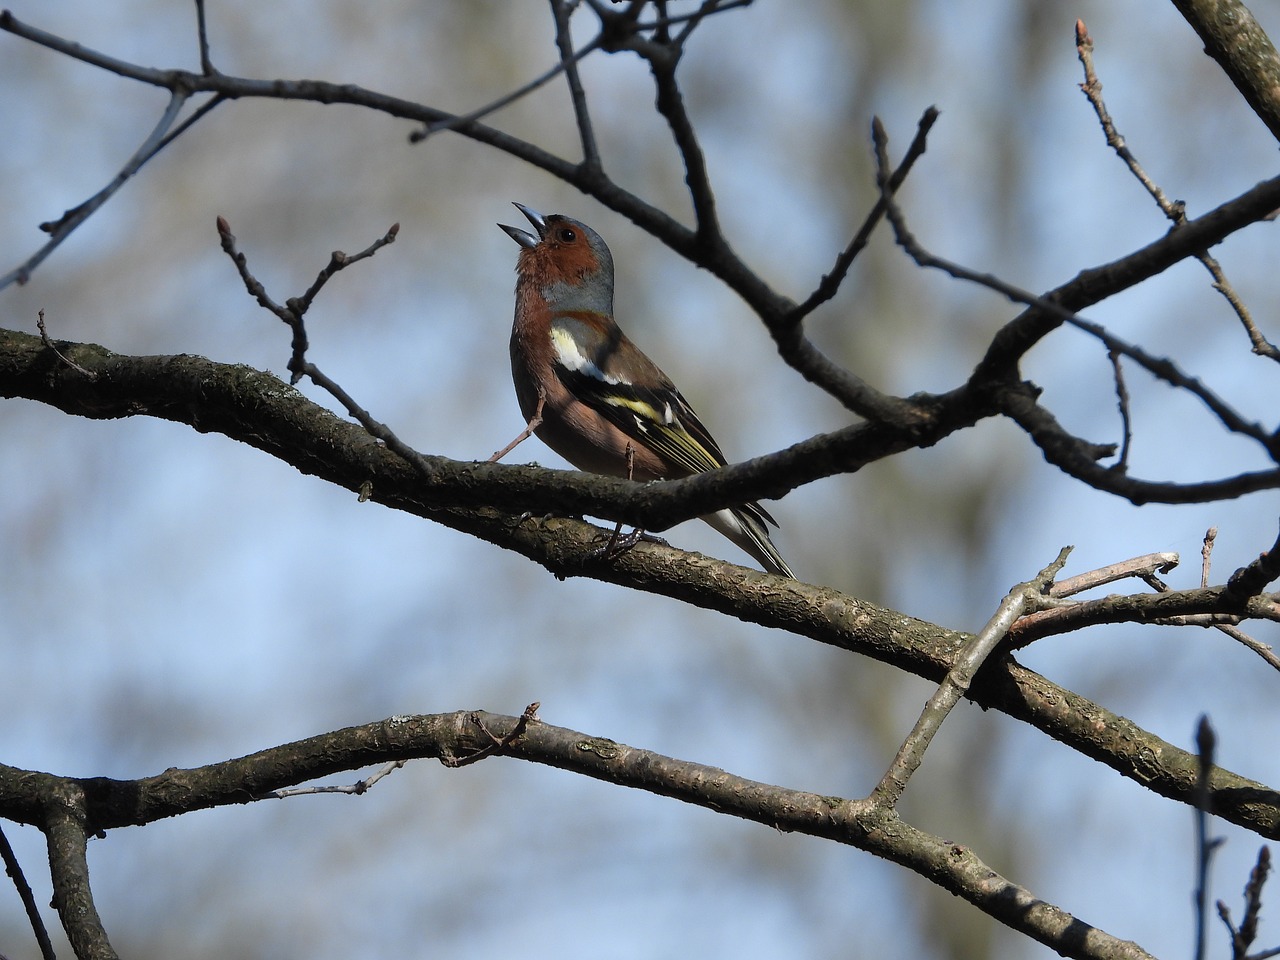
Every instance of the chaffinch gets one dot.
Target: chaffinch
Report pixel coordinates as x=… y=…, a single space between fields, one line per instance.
x=605 y=406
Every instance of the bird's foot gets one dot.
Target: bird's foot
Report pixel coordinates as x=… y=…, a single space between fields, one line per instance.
x=619 y=543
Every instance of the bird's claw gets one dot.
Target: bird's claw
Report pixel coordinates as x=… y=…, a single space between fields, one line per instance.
x=618 y=543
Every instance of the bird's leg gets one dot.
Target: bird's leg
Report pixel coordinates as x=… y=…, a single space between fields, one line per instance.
x=619 y=544
x=636 y=535
x=534 y=422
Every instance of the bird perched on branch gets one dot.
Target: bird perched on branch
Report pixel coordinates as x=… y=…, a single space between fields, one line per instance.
x=590 y=394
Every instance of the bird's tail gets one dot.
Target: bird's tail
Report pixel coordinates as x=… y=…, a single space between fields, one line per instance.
x=746 y=527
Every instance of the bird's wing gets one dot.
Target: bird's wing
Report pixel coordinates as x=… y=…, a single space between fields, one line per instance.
x=607 y=372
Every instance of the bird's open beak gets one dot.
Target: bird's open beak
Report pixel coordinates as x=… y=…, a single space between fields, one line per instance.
x=524 y=237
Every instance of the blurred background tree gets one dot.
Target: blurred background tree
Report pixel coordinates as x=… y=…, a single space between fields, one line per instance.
x=171 y=598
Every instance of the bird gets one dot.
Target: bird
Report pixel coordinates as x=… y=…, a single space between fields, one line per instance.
x=604 y=405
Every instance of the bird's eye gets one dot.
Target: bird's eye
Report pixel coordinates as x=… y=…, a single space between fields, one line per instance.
x=567 y=235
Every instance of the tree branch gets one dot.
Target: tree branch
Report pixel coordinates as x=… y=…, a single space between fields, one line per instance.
x=63 y=821
x=14 y=870
x=878 y=830
x=959 y=678
x=1242 y=49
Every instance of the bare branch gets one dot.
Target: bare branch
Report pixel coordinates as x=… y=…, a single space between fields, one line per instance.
x=1176 y=212
x=465 y=119
x=1050 y=305
x=1092 y=88
x=497 y=744
x=1242 y=49
x=1147 y=564
x=1077 y=458
x=202 y=31
x=44 y=338
x=877 y=830
x=14 y=869
x=64 y=830
x=697 y=16
x=359 y=788
x=1164 y=369
x=1248 y=931
x=956 y=683
x=67 y=223
x=1122 y=403
x=157 y=78
x=530 y=428
x=830 y=282
x=292 y=314
x=662 y=60
x=1065 y=617
x=1259 y=343
x=1206 y=551
x=1263 y=650
x=1250 y=579
x=560 y=13
x=1212 y=606
x=1204 y=845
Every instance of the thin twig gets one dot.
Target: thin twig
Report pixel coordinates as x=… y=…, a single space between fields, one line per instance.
x=1066 y=616
x=1243 y=938
x=63 y=227
x=1175 y=211
x=1263 y=650
x=1122 y=401
x=1257 y=342
x=496 y=744
x=1204 y=846
x=1092 y=88
x=662 y=60
x=78 y=51
x=358 y=788
x=692 y=20
x=1078 y=458
x=670 y=20
x=831 y=281
x=1162 y=368
x=44 y=338
x=463 y=119
x=14 y=869
x=1206 y=552
x=202 y=30
x=1149 y=563
x=577 y=95
x=340 y=261
x=291 y=313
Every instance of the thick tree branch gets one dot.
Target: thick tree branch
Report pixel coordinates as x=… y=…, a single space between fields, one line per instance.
x=109 y=804
x=1078 y=458
x=62 y=818
x=1242 y=49
x=1098 y=283
x=257 y=408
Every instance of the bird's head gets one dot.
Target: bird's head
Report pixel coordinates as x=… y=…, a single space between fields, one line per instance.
x=565 y=260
